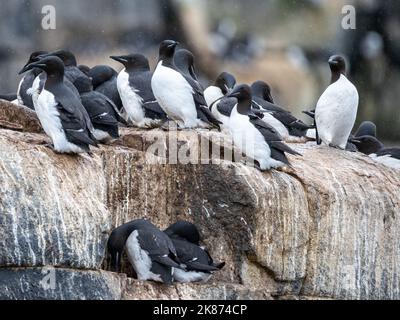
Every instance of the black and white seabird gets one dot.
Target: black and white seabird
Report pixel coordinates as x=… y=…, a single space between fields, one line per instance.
x=33 y=82
x=140 y=107
x=102 y=113
x=24 y=91
x=60 y=111
x=253 y=136
x=104 y=80
x=198 y=262
x=336 y=109
x=150 y=251
x=215 y=97
x=223 y=85
x=72 y=72
x=179 y=95
x=288 y=126
x=372 y=147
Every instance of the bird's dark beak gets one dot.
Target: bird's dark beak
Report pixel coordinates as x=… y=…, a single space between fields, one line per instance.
x=333 y=62
x=31 y=66
x=121 y=59
x=234 y=94
x=24 y=69
x=310 y=114
x=173 y=45
x=354 y=141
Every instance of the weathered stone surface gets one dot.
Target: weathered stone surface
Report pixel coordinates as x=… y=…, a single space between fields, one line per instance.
x=52 y=207
x=19 y=118
x=67 y=284
x=136 y=290
x=326 y=228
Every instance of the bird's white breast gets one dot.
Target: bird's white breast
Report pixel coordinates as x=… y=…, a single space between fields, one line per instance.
x=249 y=140
x=336 y=112
x=175 y=95
x=190 y=276
x=19 y=98
x=212 y=94
x=131 y=100
x=49 y=117
x=35 y=91
x=276 y=124
x=140 y=259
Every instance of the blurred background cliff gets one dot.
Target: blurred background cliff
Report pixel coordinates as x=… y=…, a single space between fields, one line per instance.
x=285 y=42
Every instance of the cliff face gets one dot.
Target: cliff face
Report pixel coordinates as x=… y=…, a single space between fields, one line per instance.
x=328 y=228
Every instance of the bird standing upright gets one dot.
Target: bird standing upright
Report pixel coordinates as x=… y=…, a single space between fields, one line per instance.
x=178 y=94
x=254 y=137
x=60 y=111
x=336 y=109
x=134 y=85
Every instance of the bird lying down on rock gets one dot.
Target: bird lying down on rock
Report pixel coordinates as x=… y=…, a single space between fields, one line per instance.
x=173 y=255
x=198 y=263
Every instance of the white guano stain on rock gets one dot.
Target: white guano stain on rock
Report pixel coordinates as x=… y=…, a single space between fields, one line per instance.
x=328 y=228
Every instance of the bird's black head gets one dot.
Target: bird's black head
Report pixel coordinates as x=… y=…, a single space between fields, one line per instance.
x=167 y=49
x=83 y=84
x=52 y=65
x=338 y=67
x=67 y=57
x=117 y=240
x=185 y=230
x=243 y=95
x=184 y=60
x=101 y=74
x=367 y=144
x=85 y=69
x=226 y=82
x=133 y=61
x=262 y=90
x=33 y=58
x=367 y=128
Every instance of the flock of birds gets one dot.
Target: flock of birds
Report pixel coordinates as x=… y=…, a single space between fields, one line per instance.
x=79 y=107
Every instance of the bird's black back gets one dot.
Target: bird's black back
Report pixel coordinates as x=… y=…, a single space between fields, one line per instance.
x=74 y=118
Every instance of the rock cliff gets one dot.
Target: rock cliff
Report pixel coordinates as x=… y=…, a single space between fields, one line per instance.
x=327 y=228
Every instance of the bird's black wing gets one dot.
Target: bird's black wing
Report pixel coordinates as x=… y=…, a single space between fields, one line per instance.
x=77 y=77
x=158 y=245
x=75 y=119
x=393 y=152
x=226 y=105
x=203 y=112
x=296 y=127
x=194 y=257
x=26 y=83
x=101 y=112
x=271 y=136
x=71 y=86
x=141 y=82
x=110 y=90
